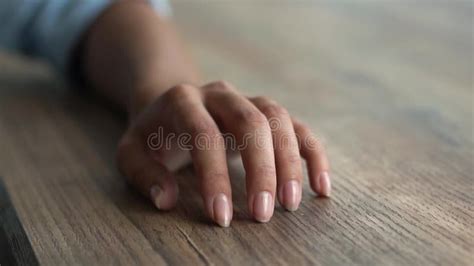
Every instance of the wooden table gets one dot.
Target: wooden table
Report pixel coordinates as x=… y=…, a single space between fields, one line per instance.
x=387 y=86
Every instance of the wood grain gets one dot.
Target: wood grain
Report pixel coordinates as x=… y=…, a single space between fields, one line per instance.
x=14 y=243
x=386 y=85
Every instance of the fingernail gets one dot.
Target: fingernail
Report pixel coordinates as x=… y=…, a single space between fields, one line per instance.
x=291 y=195
x=156 y=195
x=263 y=206
x=222 y=211
x=324 y=184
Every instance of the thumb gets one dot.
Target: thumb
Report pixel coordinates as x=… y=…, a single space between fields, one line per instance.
x=145 y=174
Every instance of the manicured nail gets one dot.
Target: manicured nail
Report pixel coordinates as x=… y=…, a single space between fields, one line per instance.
x=263 y=206
x=222 y=211
x=324 y=184
x=291 y=195
x=156 y=195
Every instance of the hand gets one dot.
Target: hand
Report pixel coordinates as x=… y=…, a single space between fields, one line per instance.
x=270 y=154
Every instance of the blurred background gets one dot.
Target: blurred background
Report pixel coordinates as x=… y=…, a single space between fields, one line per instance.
x=406 y=56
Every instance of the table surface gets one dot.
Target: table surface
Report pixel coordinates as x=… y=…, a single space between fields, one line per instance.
x=386 y=85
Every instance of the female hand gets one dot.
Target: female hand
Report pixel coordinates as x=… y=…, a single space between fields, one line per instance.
x=269 y=140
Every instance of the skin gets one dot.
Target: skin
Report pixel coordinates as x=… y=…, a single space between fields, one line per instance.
x=134 y=57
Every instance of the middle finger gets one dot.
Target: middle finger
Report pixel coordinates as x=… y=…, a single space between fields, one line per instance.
x=287 y=155
x=237 y=115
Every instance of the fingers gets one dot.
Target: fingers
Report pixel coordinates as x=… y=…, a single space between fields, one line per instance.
x=316 y=159
x=207 y=152
x=149 y=177
x=240 y=117
x=269 y=140
x=287 y=154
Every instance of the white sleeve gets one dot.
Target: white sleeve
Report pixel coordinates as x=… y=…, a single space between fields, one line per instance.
x=51 y=28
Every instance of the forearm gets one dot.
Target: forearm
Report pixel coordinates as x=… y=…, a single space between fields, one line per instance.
x=132 y=56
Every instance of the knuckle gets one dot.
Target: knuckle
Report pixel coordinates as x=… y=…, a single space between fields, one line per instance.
x=262 y=99
x=179 y=91
x=293 y=158
x=220 y=85
x=253 y=118
x=213 y=177
x=266 y=171
x=274 y=110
